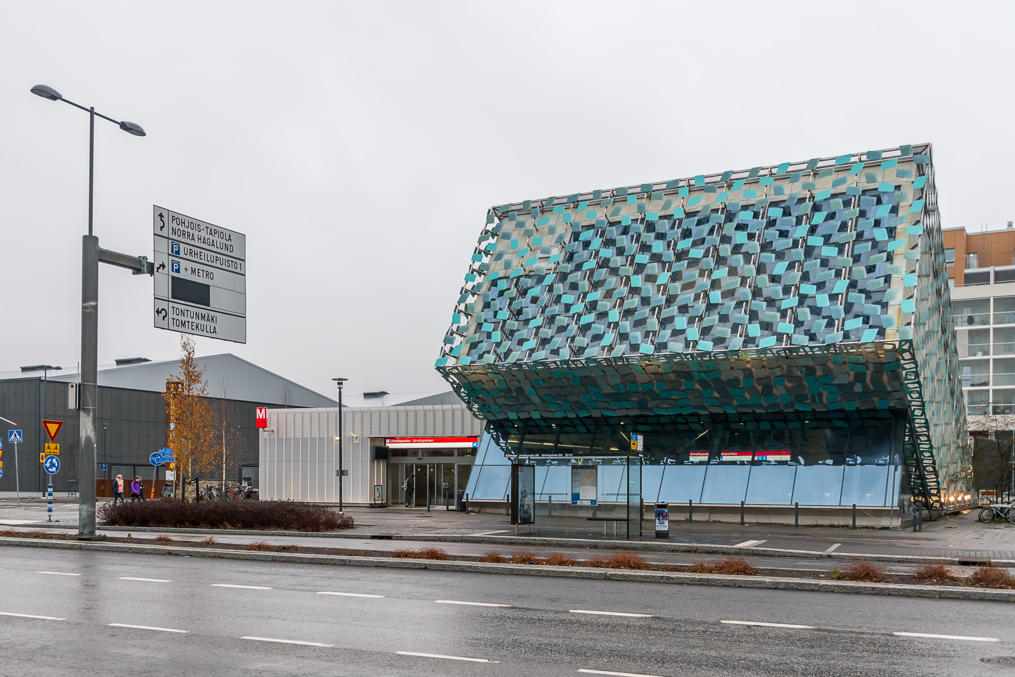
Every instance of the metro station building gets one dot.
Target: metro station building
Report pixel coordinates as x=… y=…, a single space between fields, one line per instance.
x=778 y=335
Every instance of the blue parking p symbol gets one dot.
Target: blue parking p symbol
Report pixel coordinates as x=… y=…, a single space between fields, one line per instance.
x=175 y=266
x=174 y=248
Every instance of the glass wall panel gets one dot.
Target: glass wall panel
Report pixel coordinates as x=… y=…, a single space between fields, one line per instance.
x=817 y=485
x=1004 y=341
x=611 y=484
x=557 y=484
x=977 y=402
x=976 y=373
x=651 y=477
x=973 y=343
x=633 y=489
x=1004 y=310
x=492 y=483
x=771 y=484
x=682 y=483
x=971 y=312
x=1003 y=401
x=865 y=485
x=725 y=484
x=1004 y=372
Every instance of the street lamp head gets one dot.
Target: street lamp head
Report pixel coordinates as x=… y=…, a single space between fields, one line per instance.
x=132 y=128
x=46 y=92
x=340 y=381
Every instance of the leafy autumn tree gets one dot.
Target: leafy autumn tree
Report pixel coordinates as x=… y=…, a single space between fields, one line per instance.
x=192 y=432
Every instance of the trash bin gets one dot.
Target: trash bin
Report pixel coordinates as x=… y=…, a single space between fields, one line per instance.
x=460 y=501
x=662 y=520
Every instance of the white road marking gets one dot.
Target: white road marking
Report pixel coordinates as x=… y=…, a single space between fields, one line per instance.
x=489 y=533
x=145 y=580
x=609 y=613
x=590 y=671
x=349 y=594
x=241 y=587
x=762 y=624
x=748 y=544
x=57 y=573
x=38 y=618
x=455 y=601
x=145 y=627
x=448 y=658
x=926 y=635
x=14 y=523
x=832 y=548
x=287 y=641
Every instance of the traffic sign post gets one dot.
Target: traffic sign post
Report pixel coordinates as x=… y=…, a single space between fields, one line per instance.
x=15 y=436
x=200 y=277
x=52 y=466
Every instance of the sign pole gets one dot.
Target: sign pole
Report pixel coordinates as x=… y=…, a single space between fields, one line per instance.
x=17 y=475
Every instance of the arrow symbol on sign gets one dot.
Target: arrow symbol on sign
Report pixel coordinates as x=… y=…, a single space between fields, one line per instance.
x=162 y=264
x=163 y=220
x=162 y=312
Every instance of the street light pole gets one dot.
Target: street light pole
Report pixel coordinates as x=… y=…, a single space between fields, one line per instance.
x=341 y=471
x=90 y=257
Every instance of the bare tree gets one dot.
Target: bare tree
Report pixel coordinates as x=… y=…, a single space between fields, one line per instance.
x=191 y=433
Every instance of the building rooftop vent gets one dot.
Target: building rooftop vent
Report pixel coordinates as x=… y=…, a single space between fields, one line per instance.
x=127 y=361
x=1011 y=225
x=40 y=367
x=375 y=395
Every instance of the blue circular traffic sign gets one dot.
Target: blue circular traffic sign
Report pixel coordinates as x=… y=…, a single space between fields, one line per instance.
x=51 y=465
x=155 y=458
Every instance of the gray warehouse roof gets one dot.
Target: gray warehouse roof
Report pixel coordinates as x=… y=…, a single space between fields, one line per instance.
x=226 y=375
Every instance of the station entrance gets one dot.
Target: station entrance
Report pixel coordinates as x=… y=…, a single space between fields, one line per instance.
x=439 y=468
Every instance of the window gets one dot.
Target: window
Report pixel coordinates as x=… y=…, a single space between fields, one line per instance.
x=949 y=257
x=971 y=260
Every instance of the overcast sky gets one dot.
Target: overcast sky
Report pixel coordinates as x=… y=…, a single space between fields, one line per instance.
x=358 y=145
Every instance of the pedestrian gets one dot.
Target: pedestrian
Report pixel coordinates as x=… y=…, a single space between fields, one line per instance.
x=118 y=489
x=410 y=487
x=136 y=491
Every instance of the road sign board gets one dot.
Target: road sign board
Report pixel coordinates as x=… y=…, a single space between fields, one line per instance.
x=155 y=458
x=53 y=448
x=167 y=455
x=52 y=428
x=1 y=473
x=42 y=457
x=190 y=319
x=14 y=435
x=200 y=277
x=51 y=465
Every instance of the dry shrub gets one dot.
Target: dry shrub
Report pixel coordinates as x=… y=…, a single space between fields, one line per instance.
x=627 y=560
x=208 y=541
x=736 y=566
x=601 y=562
x=162 y=538
x=286 y=548
x=422 y=553
x=862 y=571
x=558 y=560
x=493 y=557
x=992 y=577
x=259 y=545
x=287 y=515
x=404 y=554
x=27 y=534
x=524 y=558
x=934 y=573
x=701 y=568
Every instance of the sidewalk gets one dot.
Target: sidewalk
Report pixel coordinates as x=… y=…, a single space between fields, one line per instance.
x=959 y=536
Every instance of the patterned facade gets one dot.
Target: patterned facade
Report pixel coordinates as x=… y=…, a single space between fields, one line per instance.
x=754 y=309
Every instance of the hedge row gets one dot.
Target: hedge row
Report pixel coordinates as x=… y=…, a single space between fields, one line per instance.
x=267 y=515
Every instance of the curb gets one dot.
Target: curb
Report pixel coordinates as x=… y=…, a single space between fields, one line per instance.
x=678 y=578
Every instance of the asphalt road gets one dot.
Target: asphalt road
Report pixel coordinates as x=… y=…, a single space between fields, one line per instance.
x=73 y=612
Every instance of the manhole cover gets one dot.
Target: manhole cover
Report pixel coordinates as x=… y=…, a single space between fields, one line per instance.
x=1008 y=661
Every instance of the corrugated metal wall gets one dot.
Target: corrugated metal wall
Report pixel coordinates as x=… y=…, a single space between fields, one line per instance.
x=299 y=453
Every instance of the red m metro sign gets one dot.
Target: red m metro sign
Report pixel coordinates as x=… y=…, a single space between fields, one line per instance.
x=262 y=416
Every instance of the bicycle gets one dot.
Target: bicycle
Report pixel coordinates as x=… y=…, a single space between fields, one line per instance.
x=989 y=513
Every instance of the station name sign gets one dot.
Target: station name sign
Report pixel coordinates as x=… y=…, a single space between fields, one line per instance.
x=431 y=442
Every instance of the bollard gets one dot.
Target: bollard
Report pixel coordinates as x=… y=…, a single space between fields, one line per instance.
x=549 y=507
x=690 y=510
x=466 y=504
x=741 y=513
x=854 y=515
x=796 y=514
x=49 y=502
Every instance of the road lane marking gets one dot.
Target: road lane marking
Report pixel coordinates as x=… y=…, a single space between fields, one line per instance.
x=927 y=635
x=287 y=641
x=57 y=573
x=38 y=618
x=748 y=544
x=145 y=580
x=609 y=613
x=349 y=594
x=763 y=624
x=590 y=671
x=241 y=587
x=455 y=601
x=145 y=627
x=830 y=549
x=445 y=657
x=489 y=533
